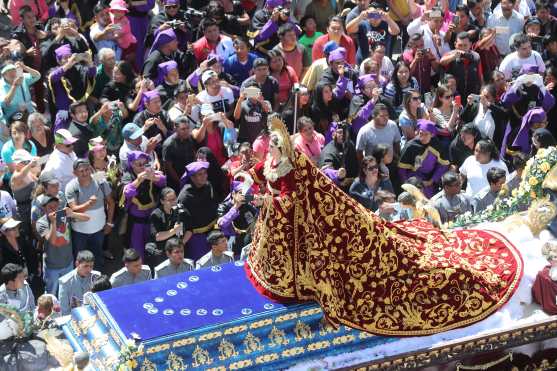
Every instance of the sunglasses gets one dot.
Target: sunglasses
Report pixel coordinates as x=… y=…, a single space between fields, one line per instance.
x=371 y=168
x=416 y=98
x=171 y=6
x=448 y=96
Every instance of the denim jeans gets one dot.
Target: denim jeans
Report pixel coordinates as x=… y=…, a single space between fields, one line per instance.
x=51 y=276
x=92 y=242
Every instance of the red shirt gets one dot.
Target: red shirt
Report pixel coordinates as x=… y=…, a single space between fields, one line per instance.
x=201 y=49
x=345 y=41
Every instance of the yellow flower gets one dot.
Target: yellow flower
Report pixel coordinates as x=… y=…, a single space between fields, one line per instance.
x=515 y=192
x=545 y=167
x=533 y=194
x=533 y=181
x=541 y=153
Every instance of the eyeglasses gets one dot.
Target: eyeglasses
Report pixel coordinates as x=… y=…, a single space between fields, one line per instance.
x=416 y=98
x=371 y=168
x=448 y=96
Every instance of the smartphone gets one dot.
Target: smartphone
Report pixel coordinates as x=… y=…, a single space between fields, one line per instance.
x=211 y=61
x=475 y=98
x=529 y=78
x=60 y=214
x=428 y=99
x=435 y=14
x=252 y=92
x=502 y=30
x=374 y=15
x=455 y=20
x=158 y=137
x=19 y=72
x=458 y=100
x=117 y=27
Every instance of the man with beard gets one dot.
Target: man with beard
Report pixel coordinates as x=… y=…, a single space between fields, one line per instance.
x=338 y=157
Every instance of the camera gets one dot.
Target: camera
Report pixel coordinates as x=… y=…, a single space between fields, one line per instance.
x=194 y=13
x=296 y=88
x=284 y=11
x=178 y=214
x=175 y=24
x=424 y=51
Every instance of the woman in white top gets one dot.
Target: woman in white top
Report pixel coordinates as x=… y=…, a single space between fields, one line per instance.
x=474 y=169
x=445 y=111
x=484 y=120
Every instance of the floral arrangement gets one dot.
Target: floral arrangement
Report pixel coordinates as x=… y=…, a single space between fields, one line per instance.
x=530 y=190
x=126 y=360
x=23 y=320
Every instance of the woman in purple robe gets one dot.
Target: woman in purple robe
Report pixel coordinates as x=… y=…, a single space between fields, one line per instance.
x=424 y=158
x=139 y=21
x=140 y=197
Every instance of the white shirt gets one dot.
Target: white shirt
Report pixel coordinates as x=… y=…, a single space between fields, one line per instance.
x=386 y=69
x=7 y=205
x=523 y=9
x=62 y=165
x=484 y=122
x=512 y=64
x=476 y=174
x=512 y=25
x=226 y=95
x=417 y=26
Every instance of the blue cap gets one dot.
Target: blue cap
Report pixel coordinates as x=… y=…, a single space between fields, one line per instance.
x=329 y=47
x=131 y=131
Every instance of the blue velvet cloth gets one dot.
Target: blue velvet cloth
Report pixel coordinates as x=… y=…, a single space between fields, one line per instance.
x=185 y=301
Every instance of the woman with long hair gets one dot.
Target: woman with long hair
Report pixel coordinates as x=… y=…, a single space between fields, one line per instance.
x=120 y=87
x=445 y=109
x=463 y=144
x=384 y=156
x=285 y=75
x=542 y=138
x=326 y=108
x=307 y=140
x=401 y=82
x=215 y=174
x=413 y=110
x=41 y=135
x=474 y=169
x=368 y=182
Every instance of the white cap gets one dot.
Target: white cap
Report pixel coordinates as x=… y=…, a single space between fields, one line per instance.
x=21 y=155
x=208 y=75
x=9 y=224
x=206 y=109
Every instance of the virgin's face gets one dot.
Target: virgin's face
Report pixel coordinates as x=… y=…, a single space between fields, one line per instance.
x=274 y=151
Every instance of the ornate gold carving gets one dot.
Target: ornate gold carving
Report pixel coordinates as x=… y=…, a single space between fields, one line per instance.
x=266 y=358
x=235 y=329
x=157 y=348
x=252 y=344
x=227 y=350
x=210 y=335
x=148 y=365
x=241 y=364
x=319 y=345
x=100 y=341
x=302 y=331
x=262 y=323
x=201 y=357
x=87 y=323
x=175 y=362
x=75 y=327
x=293 y=351
x=182 y=342
x=277 y=337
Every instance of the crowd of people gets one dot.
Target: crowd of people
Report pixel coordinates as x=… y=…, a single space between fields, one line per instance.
x=139 y=122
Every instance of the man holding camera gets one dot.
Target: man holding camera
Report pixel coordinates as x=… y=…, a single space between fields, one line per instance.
x=429 y=25
x=266 y=22
x=171 y=16
x=506 y=23
x=421 y=62
x=464 y=65
x=54 y=229
x=373 y=25
x=524 y=55
x=236 y=216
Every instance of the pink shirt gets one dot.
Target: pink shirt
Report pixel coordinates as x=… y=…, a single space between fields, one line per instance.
x=41 y=12
x=261 y=146
x=286 y=80
x=311 y=149
x=125 y=36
